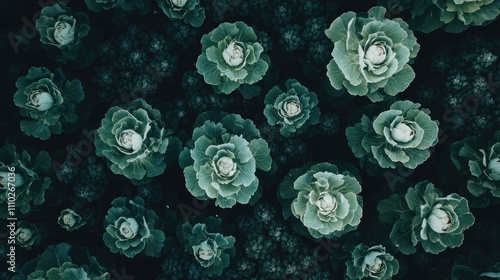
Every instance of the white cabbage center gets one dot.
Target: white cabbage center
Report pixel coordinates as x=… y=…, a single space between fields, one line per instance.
x=326 y=203
x=64 y=33
x=129 y=228
x=130 y=139
x=226 y=166
x=41 y=100
x=292 y=108
x=402 y=133
x=179 y=3
x=205 y=251
x=233 y=54
x=376 y=53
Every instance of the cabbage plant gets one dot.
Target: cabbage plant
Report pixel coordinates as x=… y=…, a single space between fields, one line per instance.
x=141 y=6
x=212 y=250
x=479 y=156
x=70 y=220
x=324 y=199
x=23 y=176
x=371 y=54
x=61 y=31
x=423 y=215
x=231 y=57
x=135 y=142
x=400 y=136
x=190 y=11
x=48 y=101
x=223 y=158
x=371 y=263
x=28 y=235
x=293 y=109
x=130 y=228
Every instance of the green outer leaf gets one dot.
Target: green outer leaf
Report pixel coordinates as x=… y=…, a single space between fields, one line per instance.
x=261 y=153
x=399 y=81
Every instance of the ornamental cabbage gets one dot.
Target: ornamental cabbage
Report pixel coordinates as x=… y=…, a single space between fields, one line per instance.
x=371 y=54
x=212 y=250
x=479 y=156
x=323 y=198
x=135 y=142
x=231 y=56
x=294 y=109
x=70 y=220
x=130 y=228
x=424 y=215
x=28 y=235
x=23 y=177
x=402 y=135
x=190 y=10
x=61 y=30
x=223 y=158
x=48 y=100
x=371 y=263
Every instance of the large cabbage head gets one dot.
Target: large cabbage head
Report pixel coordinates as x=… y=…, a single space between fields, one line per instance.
x=479 y=156
x=402 y=135
x=371 y=263
x=231 y=56
x=130 y=228
x=293 y=109
x=223 y=161
x=48 y=101
x=325 y=200
x=371 y=55
x=135 y=141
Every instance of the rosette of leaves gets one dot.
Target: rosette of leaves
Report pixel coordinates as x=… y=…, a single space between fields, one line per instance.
x=371 y=54
x=222 y=160
x=141 y=6
x=130 y=228
x=402 y=135
x=70 y=220
x=22 y=177
x=324 y=199
x=59 y=262
x=48 y=100
x=427 y=217
x=135 y=142
x=293 y=109
x=479 y=156
x=28 y=235
x=61 y=30
x=212 y=250
x=231 y=57
x=190 y=11
x=371 y=263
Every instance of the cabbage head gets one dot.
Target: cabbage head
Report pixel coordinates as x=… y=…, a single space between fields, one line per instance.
x=325 y=200
x=231 y=57
x=402 y=135
x=371 y=54
x=423 y=215
x=190 y=11
x=371 y=263
x=222 y=160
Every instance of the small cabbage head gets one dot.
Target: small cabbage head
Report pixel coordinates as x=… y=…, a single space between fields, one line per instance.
x=231 y=56
x=223 y=159
x=48 y=101
x=371 y=54
x=24 y=177
x=130 y=228
x=212 y=250
x=70 y=220
x=293 y=109
x=424 y=215
x=402 y=135
x=325 y=200
x=190 y=11
x=140 y=6
x=371 y=263
x=28 y=235
x=479 y=156
x=135 y=142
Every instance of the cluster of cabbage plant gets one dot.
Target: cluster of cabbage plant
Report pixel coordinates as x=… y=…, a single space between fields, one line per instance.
x=371 y=263
x=323 y=198
x=423 y=215
x=371 y=55
x=479 y=156
x=221 y=160
x=293 y=109
x=24 y=176
x=61 y=31
x=135 y=142
x=48 y=100
x=231 y=57
x=61 y=261
x=402 y=135
x=130 y=228
x=190 y=11
x=211 y=249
